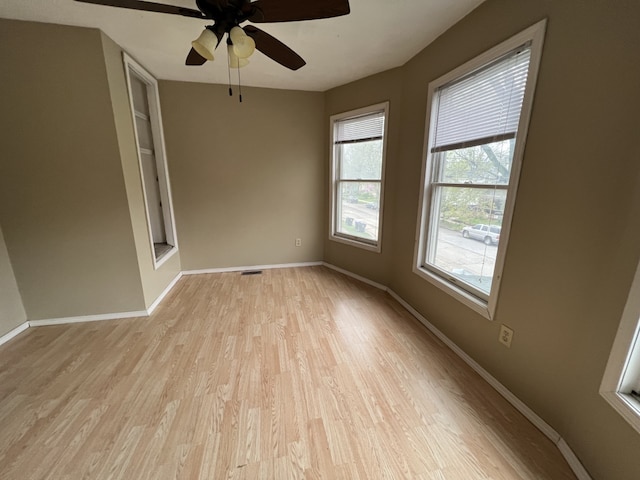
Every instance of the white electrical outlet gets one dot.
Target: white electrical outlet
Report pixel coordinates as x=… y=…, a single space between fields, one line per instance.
x=506 y=335
x=298 y=242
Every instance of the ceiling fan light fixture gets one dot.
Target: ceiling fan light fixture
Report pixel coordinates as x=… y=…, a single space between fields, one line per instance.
x=236 y=34
x=245 y=48
x=205 y=44
x=234 y=60
x=227 y=16
x=243 y=45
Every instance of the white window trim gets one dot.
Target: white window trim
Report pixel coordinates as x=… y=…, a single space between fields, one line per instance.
x=624 y=360
x=339 y=237
x=160 y=154
x=534 y=34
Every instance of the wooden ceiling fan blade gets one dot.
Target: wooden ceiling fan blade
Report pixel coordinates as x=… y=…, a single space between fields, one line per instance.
x=219 y=4
x=274 y=48
x=271 y=11
x=148 y=7
x=194 y=58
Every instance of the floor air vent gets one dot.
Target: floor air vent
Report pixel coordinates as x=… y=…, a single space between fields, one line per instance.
x=252 y=272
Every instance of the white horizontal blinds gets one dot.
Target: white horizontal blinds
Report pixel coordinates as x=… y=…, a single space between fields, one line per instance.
x=360 y=129
x=484 y=106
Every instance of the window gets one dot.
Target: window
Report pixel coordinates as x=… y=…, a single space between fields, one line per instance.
x=477 y=117
x=621 y=382
x=357 y=166
x=145 y=109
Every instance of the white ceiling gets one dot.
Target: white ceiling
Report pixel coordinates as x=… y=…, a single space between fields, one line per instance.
x=377 y=35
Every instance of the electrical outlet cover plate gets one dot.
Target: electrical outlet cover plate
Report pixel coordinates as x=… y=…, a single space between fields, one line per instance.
x=506 y=335
x=298 y=242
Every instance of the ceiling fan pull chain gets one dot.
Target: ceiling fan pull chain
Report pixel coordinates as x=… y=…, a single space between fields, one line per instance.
x=239 y=85
x=229 y=72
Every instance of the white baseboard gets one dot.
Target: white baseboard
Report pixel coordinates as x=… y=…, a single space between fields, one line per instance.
x=252 y=267
x=16 y=331
x=357 y=277
x=573 y=461
x=86 y=318
x=535 y=419
x=107 y=316
x=543 y=426
x=164 y=293
x=152 y=307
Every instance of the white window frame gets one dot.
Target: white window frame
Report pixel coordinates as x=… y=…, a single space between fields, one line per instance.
x=622 y=374
x=371 y=245
x=484 y=306
x=155 y=117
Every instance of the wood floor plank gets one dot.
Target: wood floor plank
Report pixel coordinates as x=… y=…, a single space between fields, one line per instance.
x=297 y=373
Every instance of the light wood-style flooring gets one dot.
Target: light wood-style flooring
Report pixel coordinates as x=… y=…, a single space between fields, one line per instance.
x=295 y=373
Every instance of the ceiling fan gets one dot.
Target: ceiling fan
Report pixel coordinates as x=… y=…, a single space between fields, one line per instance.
x=227 y=15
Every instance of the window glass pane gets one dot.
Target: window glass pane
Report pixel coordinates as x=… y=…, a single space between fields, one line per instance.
x=361 y=160
x=358 y=209
x=465 y=233
x=139 y=94
x=482 y=164
x=145 y=135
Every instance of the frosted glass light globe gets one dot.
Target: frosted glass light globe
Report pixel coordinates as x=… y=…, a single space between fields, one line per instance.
x=205 y=44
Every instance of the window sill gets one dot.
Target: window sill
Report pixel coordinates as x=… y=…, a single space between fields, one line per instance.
x=354 y=242
x=164 y=257
x=626 y=405
x=474 y=303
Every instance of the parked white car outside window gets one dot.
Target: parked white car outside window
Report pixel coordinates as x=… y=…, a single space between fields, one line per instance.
x=489 y=234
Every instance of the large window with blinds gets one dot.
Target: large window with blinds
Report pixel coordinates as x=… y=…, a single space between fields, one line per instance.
x=477 y=122
x=357 y=176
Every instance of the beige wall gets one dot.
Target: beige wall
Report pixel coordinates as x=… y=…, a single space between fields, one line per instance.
x=63 y=204
x=574 y=240
x=248 y=179
x=153 y=281
x=12 y=312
